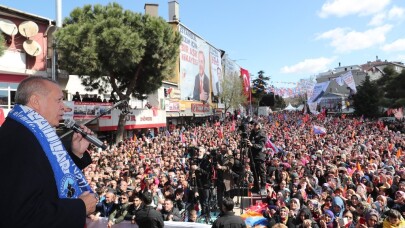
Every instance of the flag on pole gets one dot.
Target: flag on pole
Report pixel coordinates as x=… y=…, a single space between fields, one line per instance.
x=246 y=82
x=270 y=144
x=318 y=130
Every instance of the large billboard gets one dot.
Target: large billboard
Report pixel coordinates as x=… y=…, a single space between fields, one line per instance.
x=200 y=65
x=216 y=71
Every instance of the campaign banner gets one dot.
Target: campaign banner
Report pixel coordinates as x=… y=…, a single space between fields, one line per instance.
x=349 y=80
x=135 y=119
x=194 y=67
x=216 y=71
x=312 y=107
x=86 y=110
x=173 y=107
x=200 y=108
x=318 y=91
x=339 y=81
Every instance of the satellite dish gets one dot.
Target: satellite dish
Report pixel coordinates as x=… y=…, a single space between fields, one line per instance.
x=32 y=47
x=28 y=29
x=8 y=27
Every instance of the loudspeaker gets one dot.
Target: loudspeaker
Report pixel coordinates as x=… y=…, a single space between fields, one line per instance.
x=267 y=100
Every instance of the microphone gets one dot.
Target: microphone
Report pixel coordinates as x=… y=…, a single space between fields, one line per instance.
x=71 y=124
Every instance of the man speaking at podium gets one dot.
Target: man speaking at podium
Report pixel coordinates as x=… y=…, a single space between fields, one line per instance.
x=42 y=183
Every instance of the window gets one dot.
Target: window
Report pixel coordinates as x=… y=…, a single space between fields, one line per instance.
x=7 y=94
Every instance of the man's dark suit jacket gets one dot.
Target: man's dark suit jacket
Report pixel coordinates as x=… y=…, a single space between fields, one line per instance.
x=28 y=189
x=206 y=86
x=148 y=217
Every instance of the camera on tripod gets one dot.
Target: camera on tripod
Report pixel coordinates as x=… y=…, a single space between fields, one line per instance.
x=243 y=128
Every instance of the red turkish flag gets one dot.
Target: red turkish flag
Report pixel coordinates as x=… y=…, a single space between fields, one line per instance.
x=246 y=82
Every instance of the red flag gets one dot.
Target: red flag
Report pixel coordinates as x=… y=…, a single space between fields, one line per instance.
x=1 y=116
x=233 y=127
x=246 y=82
x=221 y=132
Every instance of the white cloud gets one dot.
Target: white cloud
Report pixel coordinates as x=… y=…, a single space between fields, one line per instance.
x=394 y=14
x=309 y=66
x=378 y=19
x=398 y=45
x=346 y=40
x=341 y=8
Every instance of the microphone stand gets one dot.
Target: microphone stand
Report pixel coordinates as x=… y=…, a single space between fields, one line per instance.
x=97 y=117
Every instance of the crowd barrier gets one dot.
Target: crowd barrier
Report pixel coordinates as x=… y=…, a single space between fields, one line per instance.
x=102 y=223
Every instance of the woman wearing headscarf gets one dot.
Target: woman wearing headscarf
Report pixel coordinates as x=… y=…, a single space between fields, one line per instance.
x=399 y=202
x=380 y=205
x=328 y=220
x=394 y=220
x=371 y=220
x=304 y=219
x=295 y=207
x=282 y=218
x=338 y=206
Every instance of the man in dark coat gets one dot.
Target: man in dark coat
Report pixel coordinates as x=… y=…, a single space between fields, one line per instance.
x=29 y=194
x=148 y=217
x=257 y=141
x=227 y=217
x=169 y=212
x=201 y=82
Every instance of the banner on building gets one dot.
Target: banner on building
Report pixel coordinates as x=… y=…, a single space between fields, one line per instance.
x=318 y=91
x=200 y=108
x=194 y=66
x=173 y=106
x=349 y=80
x=216 y=71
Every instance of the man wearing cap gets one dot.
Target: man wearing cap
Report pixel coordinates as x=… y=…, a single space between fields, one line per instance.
x=256 y=142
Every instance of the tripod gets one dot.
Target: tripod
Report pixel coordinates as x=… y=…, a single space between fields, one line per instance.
x=245 y=151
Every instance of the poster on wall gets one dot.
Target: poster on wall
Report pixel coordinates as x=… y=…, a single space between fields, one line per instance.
x=194 y=67
x=216 y=71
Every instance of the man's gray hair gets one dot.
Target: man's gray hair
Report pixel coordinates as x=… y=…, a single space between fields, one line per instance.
x=30 y=85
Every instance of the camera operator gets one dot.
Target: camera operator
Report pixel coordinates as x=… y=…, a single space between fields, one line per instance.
x=256 y=142
x=238 y=174
x=225 y=161
x=201 y=178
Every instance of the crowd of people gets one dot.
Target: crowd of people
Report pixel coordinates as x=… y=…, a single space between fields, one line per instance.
x=352 y=175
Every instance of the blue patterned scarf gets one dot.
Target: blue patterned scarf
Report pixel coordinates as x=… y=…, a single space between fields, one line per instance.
x=69 y=178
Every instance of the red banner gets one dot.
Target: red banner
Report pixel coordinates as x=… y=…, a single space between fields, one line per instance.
x=246 y=82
